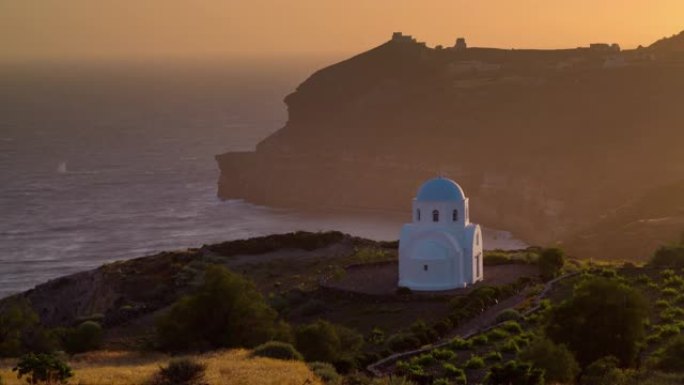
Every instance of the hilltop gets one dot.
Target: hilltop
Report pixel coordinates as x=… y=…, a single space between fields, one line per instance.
x=547 y=143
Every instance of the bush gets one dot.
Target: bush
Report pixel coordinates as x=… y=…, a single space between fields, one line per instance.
x=511 y=327
x=475 y=362
x=671 y=313
x=604 y=371
x=402 y=341
x=277 y=350
x=21 y=331
x=550 y=263
x=508 y=315
x=43 y=368
x=668 y=256
x=226 y=311
x=642 y=279
x=480 y=340
x=443 y=354
x=510 y=346
x=87 y=336
x=424 y=333
x=458 y=343
x=556 y=361
x=662 y=303
x=325 y=372
x=323 y=341
x=603 y=317
x=497 y=334
x=676 y=282
x=671 y=359
x=441 y=381
x=424 y=360
x=496 y=257
x=493 y=356
x=181 y=371
x=515 y=373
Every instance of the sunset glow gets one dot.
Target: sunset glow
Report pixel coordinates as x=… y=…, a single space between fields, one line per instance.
x=86 y=28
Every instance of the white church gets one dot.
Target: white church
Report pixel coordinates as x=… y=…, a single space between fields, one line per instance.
x=441 y=249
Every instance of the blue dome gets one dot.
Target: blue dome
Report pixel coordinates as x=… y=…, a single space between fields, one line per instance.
x=440 y=189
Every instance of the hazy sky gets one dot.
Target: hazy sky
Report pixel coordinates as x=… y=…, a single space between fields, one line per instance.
x=124 y=28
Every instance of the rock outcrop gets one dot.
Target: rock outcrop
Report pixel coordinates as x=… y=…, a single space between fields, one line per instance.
x=546 y=143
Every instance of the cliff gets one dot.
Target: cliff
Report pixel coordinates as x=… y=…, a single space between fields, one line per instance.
x=545 y=143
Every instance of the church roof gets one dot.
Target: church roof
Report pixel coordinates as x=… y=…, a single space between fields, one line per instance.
x=440 y=189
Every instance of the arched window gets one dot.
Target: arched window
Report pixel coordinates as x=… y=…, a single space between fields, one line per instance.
x=418 y=214
x=435 y=215
x=454 y=215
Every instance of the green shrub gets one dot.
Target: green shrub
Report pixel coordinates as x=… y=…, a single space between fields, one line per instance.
x=642 y=279
x=662 y=303
x=669 y=292
x=603 y=317
x=493 y=356
x=604 y=371
x=424 y=360
x=441 y=381
x=669 y=330
x=511 y=327
x=515 y=373
x=669 y=256
x=181 y=371
x=667 y=273
x=442 y=327
x=556 y=361
x=225 y=311
x=653 y=338
x=679 y=300
x=21 y=331
x=475 y=362
x=278 y=350
x=87 y=336
x=402 y=341
x=497 y=334
x=458 y=343
x=423 y=332
x=508 y=315
x=671 y=358
x=376 y=336
x=43 y=368
x=521 y=341
x=443 y=354
x=550 y=263
x=325 y=372
x=510 y=346
x=323 y=341
x=671 y=313
x=480 y=340
x=496 y=257
x=676 y=282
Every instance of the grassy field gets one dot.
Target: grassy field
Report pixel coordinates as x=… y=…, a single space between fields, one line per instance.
x=232 y=367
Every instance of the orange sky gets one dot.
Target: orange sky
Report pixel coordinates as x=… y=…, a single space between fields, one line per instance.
x=140 y=28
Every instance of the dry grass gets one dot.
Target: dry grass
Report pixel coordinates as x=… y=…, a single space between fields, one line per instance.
x=233 y=367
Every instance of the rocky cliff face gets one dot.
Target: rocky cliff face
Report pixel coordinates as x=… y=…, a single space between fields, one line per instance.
x=545 y=143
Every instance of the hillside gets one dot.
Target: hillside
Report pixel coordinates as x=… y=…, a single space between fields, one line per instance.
x=234 y=367
x=545 y=143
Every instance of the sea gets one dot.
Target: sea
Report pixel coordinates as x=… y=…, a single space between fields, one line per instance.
x=109 y=160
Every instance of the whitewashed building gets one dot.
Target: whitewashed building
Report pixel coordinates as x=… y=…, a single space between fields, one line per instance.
x=440 y=249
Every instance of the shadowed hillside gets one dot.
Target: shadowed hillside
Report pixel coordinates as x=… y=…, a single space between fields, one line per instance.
x=545 y=143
